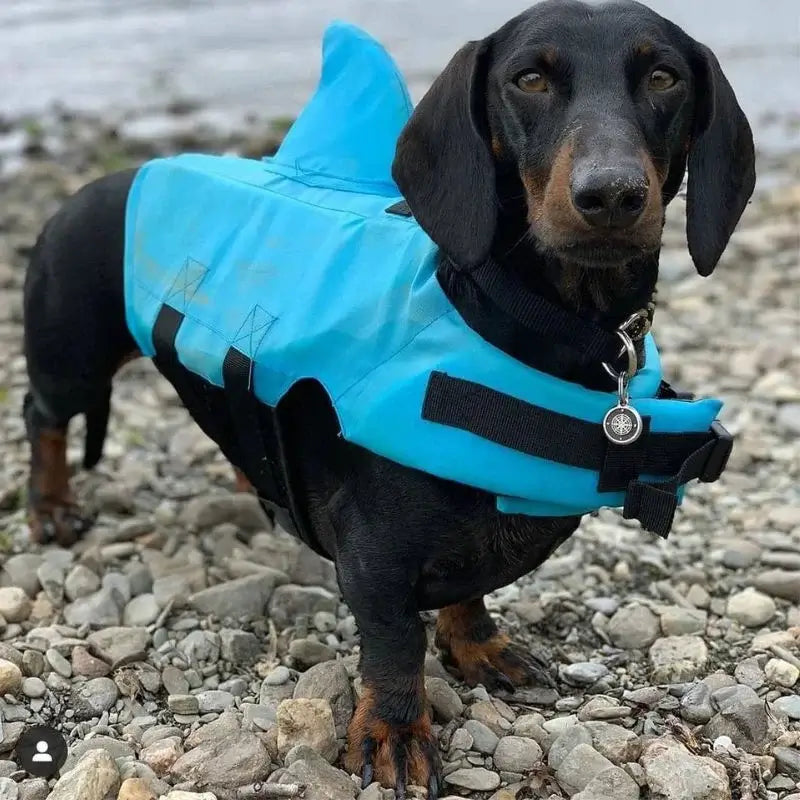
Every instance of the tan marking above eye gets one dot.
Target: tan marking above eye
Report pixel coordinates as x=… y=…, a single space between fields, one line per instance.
x=532 y=82
x=661 y=80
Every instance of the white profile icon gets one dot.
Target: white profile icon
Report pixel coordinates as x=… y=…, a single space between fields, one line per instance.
x=42 y=754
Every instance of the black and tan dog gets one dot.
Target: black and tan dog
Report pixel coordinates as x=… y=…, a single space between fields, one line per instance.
x=551 y=146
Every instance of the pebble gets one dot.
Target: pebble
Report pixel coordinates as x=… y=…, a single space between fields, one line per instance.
x=8 y=789
x=308 y=768
x=92 y=698
x=140 y=611
x=579 y=767
x=677 y=621
x=678 y=658
x=750 y=673
x=673 y=773
x=308 y=652
x=240 y=648
x=31 y=687
x=162 y=754
x=327 y=681
x=85 y=664
x=788 y=760
x=21 y=570
x=484 y=739
x=10 y=678
x=229 y=761
x=751 y=608
x=291 y=601
x=92 y=778
x=80 y=582
x=446 y=703
x=775 y=582
x=781 y=673
x=516 y=754
x=634 y=627
x=58 y=662
x=199 y=647
x=616 y=743
x=214 y=701
x=790 y=706
x=308 y=722
x=478 y=779
x=183 y=704
x=15 y=605
x=135 y=789
x=611 y=784
x=741 y=554
x=584 y=673
x=99 y=610
x=243 y=598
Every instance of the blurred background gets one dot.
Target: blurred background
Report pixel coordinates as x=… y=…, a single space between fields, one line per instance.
x=222 y=60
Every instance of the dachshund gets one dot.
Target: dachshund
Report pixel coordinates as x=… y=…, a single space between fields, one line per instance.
x=549 y=149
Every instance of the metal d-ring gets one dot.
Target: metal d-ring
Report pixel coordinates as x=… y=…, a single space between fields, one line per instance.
x=629 y=348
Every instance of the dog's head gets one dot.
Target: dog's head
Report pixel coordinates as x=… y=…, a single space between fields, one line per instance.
x=597 y=110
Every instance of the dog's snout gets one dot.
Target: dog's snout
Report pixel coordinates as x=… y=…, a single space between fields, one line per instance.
x=610 y=198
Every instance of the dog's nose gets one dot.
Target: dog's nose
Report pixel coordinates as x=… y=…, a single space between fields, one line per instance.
x=610 y=198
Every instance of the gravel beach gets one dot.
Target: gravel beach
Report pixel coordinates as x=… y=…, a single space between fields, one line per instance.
x=188 y=651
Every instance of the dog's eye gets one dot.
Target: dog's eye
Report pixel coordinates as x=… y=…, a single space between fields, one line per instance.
x=661 y=80
x=532 y=82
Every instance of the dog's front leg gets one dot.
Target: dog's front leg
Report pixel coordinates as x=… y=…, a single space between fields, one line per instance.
x=390 y=738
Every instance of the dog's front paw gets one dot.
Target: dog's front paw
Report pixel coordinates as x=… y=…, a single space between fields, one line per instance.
x=60 y=522
x=477 y=652
x=497 y=663
x=395 y=755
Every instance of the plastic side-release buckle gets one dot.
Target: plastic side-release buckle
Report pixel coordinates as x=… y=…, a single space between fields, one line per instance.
x=720 y=453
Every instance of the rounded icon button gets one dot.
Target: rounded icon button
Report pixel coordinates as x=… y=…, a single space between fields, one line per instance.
x=41 y=751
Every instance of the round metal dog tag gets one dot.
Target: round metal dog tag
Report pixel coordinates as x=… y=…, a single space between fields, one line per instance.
x=622 y=424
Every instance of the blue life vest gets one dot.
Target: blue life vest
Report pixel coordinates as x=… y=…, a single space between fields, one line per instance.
x=294 y=262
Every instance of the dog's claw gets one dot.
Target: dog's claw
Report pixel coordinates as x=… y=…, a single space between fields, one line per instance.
x=400 y=762
x=368 y=754
x=367 y=775
x=534 y=665
x=394 y=755
x=48 y=531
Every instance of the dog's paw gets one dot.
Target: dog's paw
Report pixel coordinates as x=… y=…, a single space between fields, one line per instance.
x=394 y=755
x=62 y=523
x=497 y=663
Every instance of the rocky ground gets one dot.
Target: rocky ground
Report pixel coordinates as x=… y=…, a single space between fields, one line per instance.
x=186 y=650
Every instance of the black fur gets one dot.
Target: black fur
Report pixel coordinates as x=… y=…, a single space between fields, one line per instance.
x=402 y=540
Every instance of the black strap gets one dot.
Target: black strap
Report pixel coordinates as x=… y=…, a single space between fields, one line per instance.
x=654 y=504
x=237 y=375
x=401 y=209
x=540 y=316
x=537 y=431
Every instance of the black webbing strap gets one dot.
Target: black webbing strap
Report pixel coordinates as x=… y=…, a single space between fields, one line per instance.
x=400 y=209
x=654 y=504
x=537 y=431
x=237 y=376
x=543 y=317
x=165 y=330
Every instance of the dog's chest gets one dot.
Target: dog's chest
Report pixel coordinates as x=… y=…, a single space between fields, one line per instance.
x=490 y=556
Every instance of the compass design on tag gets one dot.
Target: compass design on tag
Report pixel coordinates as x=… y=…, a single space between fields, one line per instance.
x=622 y=425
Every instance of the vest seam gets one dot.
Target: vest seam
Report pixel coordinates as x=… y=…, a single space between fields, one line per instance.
x=391 y=356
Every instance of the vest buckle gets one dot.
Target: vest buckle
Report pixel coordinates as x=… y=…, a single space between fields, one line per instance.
x=720 y=453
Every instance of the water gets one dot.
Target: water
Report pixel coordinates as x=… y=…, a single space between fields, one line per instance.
x=263 y=55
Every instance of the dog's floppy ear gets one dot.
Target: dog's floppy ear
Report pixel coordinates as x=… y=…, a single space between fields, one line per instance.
x=721 y=163
x=443 y=165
